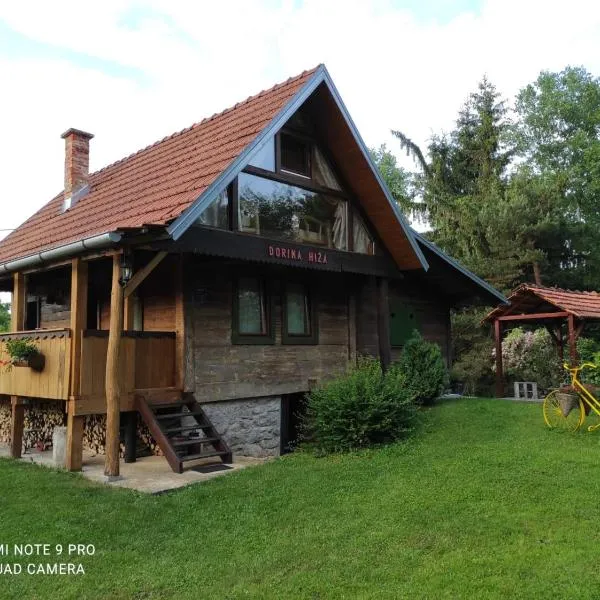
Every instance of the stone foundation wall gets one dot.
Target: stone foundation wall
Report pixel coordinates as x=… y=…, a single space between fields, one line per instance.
x=250 y=427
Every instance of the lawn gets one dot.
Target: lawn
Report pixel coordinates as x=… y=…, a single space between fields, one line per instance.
x=484 y=503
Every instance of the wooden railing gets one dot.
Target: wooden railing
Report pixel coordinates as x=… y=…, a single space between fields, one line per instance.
x=147 y=360
x=53 y=381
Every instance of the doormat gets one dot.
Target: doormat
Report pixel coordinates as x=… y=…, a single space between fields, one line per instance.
x=210 y=468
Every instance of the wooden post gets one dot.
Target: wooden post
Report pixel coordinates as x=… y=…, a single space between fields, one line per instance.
x=572 y=340
x=130 y=436
x=561 y=343
x=383 y=323
x=179 y=325
x=16 y=426
x=74 y=458
x=352 y=354
x=499 y=369
x=79 y=298
x=17 y=308
x=129 y=313
x=111 y=465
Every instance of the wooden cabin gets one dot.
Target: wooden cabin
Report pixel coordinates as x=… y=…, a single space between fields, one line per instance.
x=203 y=284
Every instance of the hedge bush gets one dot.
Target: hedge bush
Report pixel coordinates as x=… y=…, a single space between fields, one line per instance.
x=424 y=369
x=360 y=409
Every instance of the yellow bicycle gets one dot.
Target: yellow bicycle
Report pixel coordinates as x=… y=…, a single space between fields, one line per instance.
x=567 y=409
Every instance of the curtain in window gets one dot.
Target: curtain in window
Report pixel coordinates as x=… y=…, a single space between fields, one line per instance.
x=322 y=172
x=251 y=307
x=340 y=226
x=297 y=310
x=361 y=238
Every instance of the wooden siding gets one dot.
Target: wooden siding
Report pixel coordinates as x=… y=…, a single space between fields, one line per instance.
x=145 y=362
x=432 y=316
x=221 y=370
x=53 y=381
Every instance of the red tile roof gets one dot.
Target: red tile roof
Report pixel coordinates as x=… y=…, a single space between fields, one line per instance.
x=156 y=184
x=526 y=298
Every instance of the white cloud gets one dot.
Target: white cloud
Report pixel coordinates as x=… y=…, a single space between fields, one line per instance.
x=187 y=60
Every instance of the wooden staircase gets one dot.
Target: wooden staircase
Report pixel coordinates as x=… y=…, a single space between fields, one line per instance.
x=181 y=428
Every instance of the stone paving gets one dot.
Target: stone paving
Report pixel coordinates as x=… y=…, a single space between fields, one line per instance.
x=150 y=474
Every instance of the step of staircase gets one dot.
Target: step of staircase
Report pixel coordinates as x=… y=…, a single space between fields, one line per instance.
x=194 y=442
x=158 y=416
x=189 y=457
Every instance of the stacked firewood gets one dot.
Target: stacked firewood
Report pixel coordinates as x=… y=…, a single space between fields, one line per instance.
x=5 y=416
x=40 y=420
x=42 y=417
x=145 y=437
x=94 y=437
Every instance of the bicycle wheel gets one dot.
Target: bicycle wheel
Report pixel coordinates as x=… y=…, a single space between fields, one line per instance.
x=563 y=411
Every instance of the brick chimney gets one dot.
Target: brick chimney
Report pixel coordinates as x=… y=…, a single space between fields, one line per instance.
x=77 y=163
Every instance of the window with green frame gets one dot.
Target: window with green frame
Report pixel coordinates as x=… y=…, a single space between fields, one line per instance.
x=299 y=315
x=403 y=321
x=252 y=312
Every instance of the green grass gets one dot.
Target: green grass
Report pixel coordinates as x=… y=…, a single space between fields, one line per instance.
x=484 y=503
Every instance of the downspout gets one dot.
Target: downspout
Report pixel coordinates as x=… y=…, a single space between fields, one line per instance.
x=96 y=242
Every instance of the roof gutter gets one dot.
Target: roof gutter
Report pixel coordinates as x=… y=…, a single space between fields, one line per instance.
x=96 y=242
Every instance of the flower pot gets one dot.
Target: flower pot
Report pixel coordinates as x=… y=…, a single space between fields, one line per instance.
x=567 y=403
x=35 y=362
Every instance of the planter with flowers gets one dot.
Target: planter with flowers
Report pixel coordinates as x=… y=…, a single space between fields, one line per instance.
x=24 y=353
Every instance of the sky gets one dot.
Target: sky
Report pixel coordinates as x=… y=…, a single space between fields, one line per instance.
x=132 y=72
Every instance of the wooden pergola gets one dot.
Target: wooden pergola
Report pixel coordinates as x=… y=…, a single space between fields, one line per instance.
x=551 y=307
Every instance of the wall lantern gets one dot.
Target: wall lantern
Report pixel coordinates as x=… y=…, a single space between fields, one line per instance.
x=126 y=268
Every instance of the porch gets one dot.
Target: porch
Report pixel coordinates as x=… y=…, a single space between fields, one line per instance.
x=150 y=474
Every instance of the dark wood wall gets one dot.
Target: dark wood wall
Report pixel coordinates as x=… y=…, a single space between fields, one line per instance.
x=217 y=369
x=432 y=315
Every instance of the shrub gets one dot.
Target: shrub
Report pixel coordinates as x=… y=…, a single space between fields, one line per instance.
x=423 y=368
x=360 y=409
x=589 y=351
x=531 y=356
x=20 y=349
x=472 y=353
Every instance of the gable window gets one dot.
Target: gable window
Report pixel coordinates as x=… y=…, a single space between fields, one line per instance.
x=295 y=155
x=299 y=315
x=362 y=241
x=216 y=214
x=286 y=212
x=252 y=312
x=264 y=158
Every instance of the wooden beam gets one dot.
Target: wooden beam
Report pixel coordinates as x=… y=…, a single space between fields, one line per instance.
x=534 y=316
x=352 y=355
x=383 y=323
x=78 y=322
x=16 y=426
x=130 y=436
x=579 y=329
x=572 y=340
x=179 y=325
x=113 y=393
x=129 y=313
x=17 y=308
x=79 y=298
x=74 y=454
x=499 y=367
x=139 y=277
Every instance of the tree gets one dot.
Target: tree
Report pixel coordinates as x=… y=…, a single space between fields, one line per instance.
x=398 y=180
x=4 y=317
x=558 y=138
x=464 y=180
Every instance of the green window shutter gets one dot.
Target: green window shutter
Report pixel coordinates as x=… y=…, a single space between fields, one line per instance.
x=403 y=321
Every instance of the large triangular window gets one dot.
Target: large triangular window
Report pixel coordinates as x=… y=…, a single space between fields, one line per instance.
x=289 y=191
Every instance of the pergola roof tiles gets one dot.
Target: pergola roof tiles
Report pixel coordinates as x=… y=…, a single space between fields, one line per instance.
x=529 y=299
